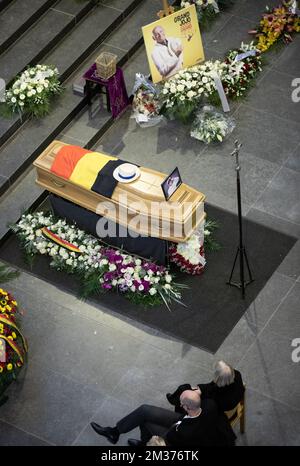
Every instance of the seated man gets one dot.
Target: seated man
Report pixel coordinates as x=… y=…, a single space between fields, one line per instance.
x=201 y=426
x=226 y=389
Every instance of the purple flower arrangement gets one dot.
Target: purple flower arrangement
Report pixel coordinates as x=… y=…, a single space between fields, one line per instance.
x=99 y=267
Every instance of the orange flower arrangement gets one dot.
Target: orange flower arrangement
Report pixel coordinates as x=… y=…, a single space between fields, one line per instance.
x=280 y=23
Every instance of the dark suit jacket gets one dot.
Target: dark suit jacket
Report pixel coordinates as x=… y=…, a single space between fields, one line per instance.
x=209 y=429
x=226 y=397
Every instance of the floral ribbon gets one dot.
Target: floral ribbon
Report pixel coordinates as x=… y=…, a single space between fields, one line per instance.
x=14 y=347
x=56 y=239
x=11 y=324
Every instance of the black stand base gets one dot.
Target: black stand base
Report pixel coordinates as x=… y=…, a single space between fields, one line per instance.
x=3 y=399
x=243 y=283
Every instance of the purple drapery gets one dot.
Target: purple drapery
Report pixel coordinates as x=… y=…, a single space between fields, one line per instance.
x=115 y=86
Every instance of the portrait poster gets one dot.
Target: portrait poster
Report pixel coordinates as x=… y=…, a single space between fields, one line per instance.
x=173 y=43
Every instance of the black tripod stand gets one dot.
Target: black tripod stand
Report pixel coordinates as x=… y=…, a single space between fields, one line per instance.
x=241 y=251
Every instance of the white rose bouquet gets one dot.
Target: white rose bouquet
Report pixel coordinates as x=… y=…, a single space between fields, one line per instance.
x=211 y=126
x=182 y=93
x=32 y=90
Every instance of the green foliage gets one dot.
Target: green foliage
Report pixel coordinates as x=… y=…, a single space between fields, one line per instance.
x=206 y=17
x=140 y=299
x=90 y=285
x=7 y=274
x=214 y=99
x=183 y=112
x=6 y=111
x=210 y=244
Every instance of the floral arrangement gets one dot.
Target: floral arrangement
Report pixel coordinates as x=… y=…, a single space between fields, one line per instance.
x=13 y=346
x=182 y=93
x=243 y=65
x=100 y=268
x=189 y=256
x=32 y=90
x=145 y=104
x=277 y=24
x=207 y=10
x=211 y=126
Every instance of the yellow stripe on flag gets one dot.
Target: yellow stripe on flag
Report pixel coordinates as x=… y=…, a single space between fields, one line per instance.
x=87 y=168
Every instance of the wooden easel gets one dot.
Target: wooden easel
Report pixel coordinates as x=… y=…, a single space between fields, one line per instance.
x=167 y=9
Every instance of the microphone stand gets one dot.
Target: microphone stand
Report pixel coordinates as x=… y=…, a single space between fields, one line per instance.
x=241 y=251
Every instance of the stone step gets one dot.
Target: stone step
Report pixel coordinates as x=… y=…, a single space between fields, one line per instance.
x=18 y=17
x=89 y=34
x=34 y=136
x=80 y=43
x=32 y=46
x=4 y=4
x=84 y=131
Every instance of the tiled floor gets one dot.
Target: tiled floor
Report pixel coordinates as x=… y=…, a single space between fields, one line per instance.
x=88 y=364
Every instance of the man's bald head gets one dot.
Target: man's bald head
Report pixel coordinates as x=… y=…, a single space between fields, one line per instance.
x=158 y=34
x=190 y=399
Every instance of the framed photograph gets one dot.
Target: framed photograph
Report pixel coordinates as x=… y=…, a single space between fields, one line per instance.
x=173 y=43
x=171 y=184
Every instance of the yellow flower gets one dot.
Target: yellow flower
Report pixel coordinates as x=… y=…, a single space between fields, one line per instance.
x=8 y=308
x=14 y=335
x=9 y=367
x=1 y=369
x=10 y=337
x=14 y=303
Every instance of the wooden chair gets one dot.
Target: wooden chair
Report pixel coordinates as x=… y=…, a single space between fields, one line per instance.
x=238 y=414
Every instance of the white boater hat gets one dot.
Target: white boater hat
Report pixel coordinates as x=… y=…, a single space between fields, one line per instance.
x=126 y=172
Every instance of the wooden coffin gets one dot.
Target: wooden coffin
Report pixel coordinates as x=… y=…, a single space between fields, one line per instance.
x=139 y=205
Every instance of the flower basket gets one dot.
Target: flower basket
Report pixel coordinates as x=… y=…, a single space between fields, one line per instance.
x=106 y=64
x=145 y=104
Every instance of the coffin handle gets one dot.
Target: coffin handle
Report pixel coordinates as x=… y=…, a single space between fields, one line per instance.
x=57 y=183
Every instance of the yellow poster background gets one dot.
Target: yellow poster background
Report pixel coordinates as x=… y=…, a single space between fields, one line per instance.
x=178 y=30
